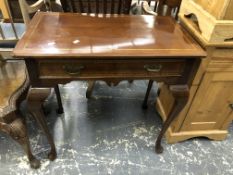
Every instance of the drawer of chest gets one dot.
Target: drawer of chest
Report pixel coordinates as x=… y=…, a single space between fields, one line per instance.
x=110 y=69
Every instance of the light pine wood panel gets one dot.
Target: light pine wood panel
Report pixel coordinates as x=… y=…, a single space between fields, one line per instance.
x=221 y=9
x=213 y=30
x=174 y=137
x=210 y=107
x=4 y=10
x=229 y=11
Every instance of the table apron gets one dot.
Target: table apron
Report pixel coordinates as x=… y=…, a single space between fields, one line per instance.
x=47 y=73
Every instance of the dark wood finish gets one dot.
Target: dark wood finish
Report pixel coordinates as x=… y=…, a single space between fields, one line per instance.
x=35 y=100
x=111 y=69
x=17 y=14
x=88 y=37
x=13 y=90
x=97 y=6
x=181 y=95
x=109 y=48
x=150 y=84
x=90 y=87
x=60 y=109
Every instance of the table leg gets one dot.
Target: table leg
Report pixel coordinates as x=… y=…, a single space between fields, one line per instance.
x=60 y=109
x=90 y=87
x=144 y=105
x=181 y=95
x=35 y=100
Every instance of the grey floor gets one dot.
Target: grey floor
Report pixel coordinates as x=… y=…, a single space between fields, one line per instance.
x=111 y=134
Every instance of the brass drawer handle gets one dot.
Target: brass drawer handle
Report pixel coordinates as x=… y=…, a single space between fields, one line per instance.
x=73 y=69
x=153 y=68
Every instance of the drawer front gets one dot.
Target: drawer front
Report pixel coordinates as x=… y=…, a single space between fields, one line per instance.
x=110 y=69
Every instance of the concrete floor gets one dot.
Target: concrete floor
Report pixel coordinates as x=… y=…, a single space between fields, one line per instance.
x=111 y=134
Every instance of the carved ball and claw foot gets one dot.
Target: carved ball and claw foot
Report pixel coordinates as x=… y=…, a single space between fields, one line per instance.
x=52 y=155
x=35 y=100
x=181 y=95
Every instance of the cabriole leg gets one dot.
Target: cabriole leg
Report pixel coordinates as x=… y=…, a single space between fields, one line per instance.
x=181 y=95
x=35 y=100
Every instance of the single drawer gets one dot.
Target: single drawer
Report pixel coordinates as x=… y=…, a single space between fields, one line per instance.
x=110 y=69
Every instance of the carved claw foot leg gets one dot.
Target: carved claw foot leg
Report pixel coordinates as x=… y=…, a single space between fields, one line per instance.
x=18 y=131
x=144 y=105
x=35 y=100
x=181 y=95
x=34 y=163
x=60 y=109
x=90 y=87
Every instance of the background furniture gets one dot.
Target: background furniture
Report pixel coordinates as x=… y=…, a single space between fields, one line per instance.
x=97 y=6
x=14 y=83
x=4 y=10
x=8 y=32
x=125 y=58
x=162 y=7
x=209 y=110
x=214 y=20
x=27 y=9
x=17 y=14
x=13 y=89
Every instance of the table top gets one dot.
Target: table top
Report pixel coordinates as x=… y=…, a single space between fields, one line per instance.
x=70 y=35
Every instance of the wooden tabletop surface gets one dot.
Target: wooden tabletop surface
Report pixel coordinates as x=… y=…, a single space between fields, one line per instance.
x=70 y=35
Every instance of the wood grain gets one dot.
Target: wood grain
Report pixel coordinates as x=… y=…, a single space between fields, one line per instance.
x=211 y=105
x=4 y=9
x=212 y=29
x=76 y=36
x=219 y=9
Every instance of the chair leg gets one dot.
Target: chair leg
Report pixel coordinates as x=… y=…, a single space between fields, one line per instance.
x=18 y=132
x=144 y=105
x=35 y=103
x=60 y=109
x=90 y=87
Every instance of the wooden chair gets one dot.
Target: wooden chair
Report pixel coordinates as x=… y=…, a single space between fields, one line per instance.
x=4 y=10
x=14 y=87
x=162 y=7
x=7 y=42
x=27 y=9
x=97 y=6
